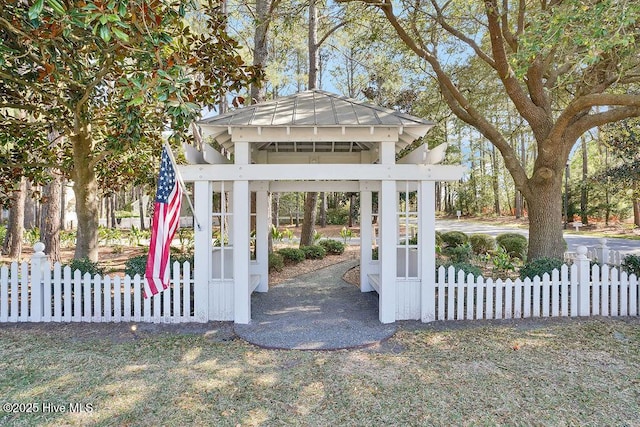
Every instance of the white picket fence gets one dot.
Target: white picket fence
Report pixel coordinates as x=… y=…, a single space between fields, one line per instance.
x=60 y=295
x=572 y=291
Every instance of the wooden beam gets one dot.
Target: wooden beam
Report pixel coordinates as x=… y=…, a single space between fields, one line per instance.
x=306 y=133
x=329 y=172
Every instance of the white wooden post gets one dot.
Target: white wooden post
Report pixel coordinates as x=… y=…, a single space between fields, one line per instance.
x=427 y=242
x=366 y=236
x=387 y=253
x=603 y=252
x=202 y=250
x=241 y=203
x=37 y=261
x=584 y=281
x=241 y=212
x=263 y=219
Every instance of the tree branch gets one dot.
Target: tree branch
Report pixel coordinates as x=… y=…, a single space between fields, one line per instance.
x=589 y=121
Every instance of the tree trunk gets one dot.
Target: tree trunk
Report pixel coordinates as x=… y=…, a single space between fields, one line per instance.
x=29 y=207
x=323 y=209
x=309 y=221
x=112 y=206
x=583 y=189
x=12 y=245
x=260 y=51
x=50 y=220
x=85 y=187
x=545 y=218
x=494 y=180
x=63 y=203
x=141 y=208
x=636 y=204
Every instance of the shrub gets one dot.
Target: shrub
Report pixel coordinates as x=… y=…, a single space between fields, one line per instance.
x=135 y=265
x=454 y=238
x=459 y=254
x=338 y=216
x=292 y=255
x=501 y=260
x=85 y=265
x=276 y=262
x=314 y=252
x=333 y=247
x=482 y=243
x=439 y=241
x=3 y=232
x=461 y=266
x=515 y=244
x=540 y=266
x=631 y=264
x=374 y=253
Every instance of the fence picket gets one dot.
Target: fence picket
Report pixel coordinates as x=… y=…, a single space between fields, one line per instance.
x=537 y=286
x=137 y=302
x=488 y=306
x=624 y=293
x=88 y=297
x=573 y=291
x=15 y=297
x=77 y=293
x=168 y=316
x=508 y=297
x=517 y=299
x=97 y=298
x=470 y=295
x=441 y=291
x=4 y=293
x=555 y=293
x=498 y=307
x=186 y=287
x=634 y=296
x=605 y=286
x=126 y=314
x=595 y=290
x=451 y=293
x=57 y=293
x=546 y=288
x=46 y=295
x=460 y=295
x=613 y=295
x=527 y=288
x=24 y=292
x=117 y=299
x=480 y=295
x=564 y=291
x=106 y=294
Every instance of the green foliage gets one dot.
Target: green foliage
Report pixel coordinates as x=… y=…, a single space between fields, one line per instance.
x=482 y=243
x=316 y=236
x=501 y=260
x=287 y=233
x=136 y=265
x=32 y=235
x=85 y=265
x=276 y=262
x=540 y=266
x=374 y=253
x=136 y=235
x=439 y=241
x=314 y=252
x=346 y=234
x=292 y=255
x=631 y=264
x=109 y=235
x=338 y=216
x=454 y=238
x=67 y=238
x=459 y=254
x=186 y=237
x=276 y=235
x=3 y=233
x=333 y=247
x=461 y=266
x=515 y=244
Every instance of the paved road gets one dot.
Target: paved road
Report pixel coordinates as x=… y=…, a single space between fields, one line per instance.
x=626 y=246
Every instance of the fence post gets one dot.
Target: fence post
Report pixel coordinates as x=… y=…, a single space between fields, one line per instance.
x=602 y=252
x=37 y=286
x=584 y=282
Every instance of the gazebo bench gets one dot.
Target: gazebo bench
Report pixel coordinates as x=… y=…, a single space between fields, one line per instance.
x=374 y=281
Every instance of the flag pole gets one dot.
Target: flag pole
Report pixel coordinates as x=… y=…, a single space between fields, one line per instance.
x=181 y=182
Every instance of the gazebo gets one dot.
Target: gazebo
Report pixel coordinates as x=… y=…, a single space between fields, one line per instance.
x=314 y=141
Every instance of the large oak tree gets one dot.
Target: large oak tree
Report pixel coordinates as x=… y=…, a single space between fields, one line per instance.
x=565 y=66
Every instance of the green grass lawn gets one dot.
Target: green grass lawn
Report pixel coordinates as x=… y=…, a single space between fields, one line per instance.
x=533 y=373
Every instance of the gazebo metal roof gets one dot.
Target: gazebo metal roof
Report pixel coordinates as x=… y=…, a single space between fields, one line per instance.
x=314 y=121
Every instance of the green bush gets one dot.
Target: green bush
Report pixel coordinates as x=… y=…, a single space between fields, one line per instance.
x=292 y=255
x=461 y=266
x=85 y=265
x=515 y=244
x=333 y=247
x=314 y=252
x=135 y=265
x=374 y=253
x=3 y=233
x=459 y=254
x=631 y=264
x=276 y=262
x=454 y=238
x=338 y=216
x=482 y=243
x=439 y=241
x=540 y=266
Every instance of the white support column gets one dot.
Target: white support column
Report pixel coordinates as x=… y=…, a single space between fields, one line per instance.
x=387 y=251
x=366 y=237
x=387 y=152
x=241 y=212
x=427 y=242
x=263 y=219
x=202 y=250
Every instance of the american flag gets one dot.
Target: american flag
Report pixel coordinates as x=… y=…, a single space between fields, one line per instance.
x=166 y=219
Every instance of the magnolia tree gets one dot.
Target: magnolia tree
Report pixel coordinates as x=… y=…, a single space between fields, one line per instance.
x=565 y=66
x=109 y=75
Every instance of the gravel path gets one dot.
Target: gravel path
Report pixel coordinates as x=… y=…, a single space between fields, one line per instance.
x=315 y=311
